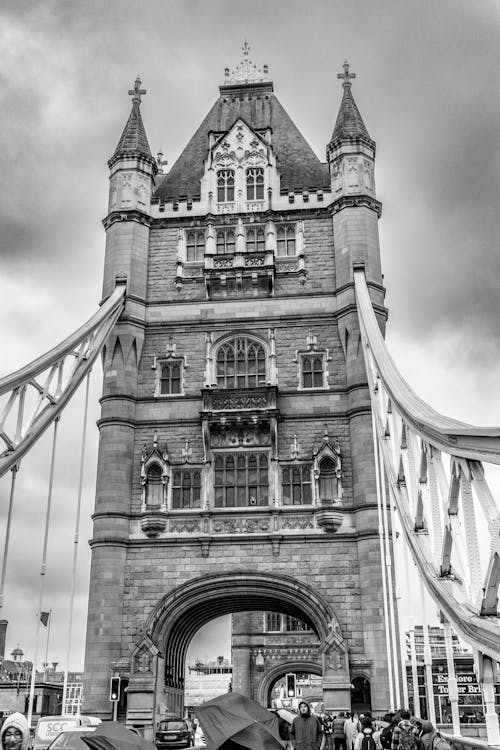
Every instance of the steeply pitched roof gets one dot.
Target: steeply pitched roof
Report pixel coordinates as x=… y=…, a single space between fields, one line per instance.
x=133 y=138
x=256 y=104
x=349 y=122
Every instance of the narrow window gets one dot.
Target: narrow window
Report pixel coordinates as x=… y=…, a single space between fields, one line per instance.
x=225 y=241
x=285 y=240
x=297 y=485
x=273 y=622
x=195 y=246
x=154 y=486
x=255 y=184
x=186 y=488
x=312 y=371
x=241 y=480
x=256 y=240
x=170 y=377
x=225 y=185
x=327 y=480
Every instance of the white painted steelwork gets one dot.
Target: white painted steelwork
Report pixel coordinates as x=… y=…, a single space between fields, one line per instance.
x=449 y=518
x=32 y=397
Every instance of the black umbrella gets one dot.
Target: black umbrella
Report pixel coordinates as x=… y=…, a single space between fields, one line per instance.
x=233 y=722
x=110 y=735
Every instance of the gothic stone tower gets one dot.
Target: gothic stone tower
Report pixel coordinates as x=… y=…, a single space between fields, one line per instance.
x=236 y=469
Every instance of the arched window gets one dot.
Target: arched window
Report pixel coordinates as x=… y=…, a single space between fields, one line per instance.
x=255 y=184
x=327 y=480
x=225 y=185
x=256 y=240
x=154 y=486
x=241 y=479
x=241 y=363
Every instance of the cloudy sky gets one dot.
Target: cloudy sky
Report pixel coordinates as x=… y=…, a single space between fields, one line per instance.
x=427 y=86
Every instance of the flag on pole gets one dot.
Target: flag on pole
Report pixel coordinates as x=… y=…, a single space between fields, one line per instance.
x=44 y=618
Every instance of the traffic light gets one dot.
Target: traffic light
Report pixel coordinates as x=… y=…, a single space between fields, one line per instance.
x=291 y=688
x=114 y=689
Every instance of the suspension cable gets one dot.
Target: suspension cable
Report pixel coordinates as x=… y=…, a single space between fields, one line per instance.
x=43 y=569
x=76 y=540
x=14 y=471
x=382 y=565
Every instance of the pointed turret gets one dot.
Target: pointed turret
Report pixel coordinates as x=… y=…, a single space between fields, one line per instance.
x=349 y=122
x=132 y=171
x=133 y=141
x=351 y=159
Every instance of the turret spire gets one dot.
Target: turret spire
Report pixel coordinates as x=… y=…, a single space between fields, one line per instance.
x=133 y=140
x=349 y=122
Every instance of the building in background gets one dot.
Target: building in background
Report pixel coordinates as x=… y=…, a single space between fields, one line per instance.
x=207 y=680
x=471 y=708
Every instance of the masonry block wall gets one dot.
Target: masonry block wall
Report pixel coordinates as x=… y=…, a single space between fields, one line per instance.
x=236 y=429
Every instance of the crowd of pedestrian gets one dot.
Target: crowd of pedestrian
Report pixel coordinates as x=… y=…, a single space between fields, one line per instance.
x=348 y=731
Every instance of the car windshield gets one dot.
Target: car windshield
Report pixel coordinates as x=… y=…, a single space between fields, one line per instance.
x=69 y=741
x=172 y=726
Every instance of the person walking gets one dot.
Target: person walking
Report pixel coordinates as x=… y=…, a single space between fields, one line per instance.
x=364 y=739
x=306 y=732
x=339 y=738
x=350 y=730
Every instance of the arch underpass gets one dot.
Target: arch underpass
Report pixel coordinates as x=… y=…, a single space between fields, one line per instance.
x=182 y=612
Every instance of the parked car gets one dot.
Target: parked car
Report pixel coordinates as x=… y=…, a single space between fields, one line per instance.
x=48 y=727
x=71 y=739
x=173 y=733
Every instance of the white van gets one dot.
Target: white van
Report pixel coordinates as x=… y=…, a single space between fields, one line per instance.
x=48 y=727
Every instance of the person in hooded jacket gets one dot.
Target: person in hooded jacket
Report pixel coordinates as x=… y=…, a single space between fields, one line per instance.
x=427 y=735
x=15 y=733
x=306 y=732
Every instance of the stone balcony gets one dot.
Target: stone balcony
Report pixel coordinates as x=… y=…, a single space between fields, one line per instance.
x=239 y=274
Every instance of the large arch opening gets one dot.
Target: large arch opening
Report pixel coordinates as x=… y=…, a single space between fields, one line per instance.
x=272 y=678
x=182 y=612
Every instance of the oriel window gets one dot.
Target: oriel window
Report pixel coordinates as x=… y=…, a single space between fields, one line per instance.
x=255 y=184
x=285 y=240
x=225 y=185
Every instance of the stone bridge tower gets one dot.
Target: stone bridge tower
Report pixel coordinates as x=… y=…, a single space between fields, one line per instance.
x=236 y=469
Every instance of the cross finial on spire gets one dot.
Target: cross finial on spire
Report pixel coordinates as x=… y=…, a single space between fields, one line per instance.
x=246 y=48
x=346 y=77
x=137 y=92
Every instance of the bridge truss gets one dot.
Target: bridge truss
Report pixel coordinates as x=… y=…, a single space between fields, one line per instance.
x=431 y=467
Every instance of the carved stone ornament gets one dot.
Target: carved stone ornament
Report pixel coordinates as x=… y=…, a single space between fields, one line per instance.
x=143 y=656
x=240 y=525
x=153 y=525
x=236 y=437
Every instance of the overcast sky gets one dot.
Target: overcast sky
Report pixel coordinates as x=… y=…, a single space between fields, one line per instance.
x=427 y=87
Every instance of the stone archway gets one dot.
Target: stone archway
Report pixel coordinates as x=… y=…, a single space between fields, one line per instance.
x=182 y=612
x=278 y=671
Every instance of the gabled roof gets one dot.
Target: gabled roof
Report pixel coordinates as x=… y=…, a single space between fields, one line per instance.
x=349 y=122
x=134 y=138
x=257 y=105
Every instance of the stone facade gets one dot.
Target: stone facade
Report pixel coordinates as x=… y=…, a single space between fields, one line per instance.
x=236 y=467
